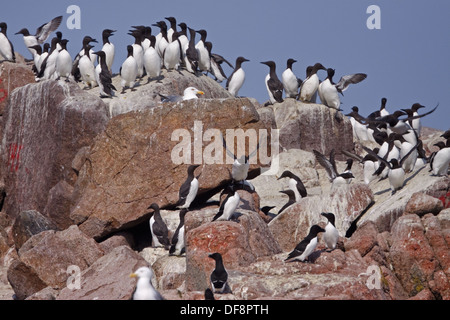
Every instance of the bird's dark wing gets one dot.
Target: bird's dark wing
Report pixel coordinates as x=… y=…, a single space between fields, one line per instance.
x=328 y=166
x=352 y=155
x=421 y=115
x=44 y=31
x=219 y=59
x=301 y=188
x=345 y=81
x=276 y=88
x=371 y=152
x=299 y=249
x=105 y=78
x=407 y=155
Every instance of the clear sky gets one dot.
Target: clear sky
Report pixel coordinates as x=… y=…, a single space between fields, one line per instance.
x=407 y=60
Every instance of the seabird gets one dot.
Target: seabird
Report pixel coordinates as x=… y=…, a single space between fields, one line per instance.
x=129 y=71
x=237 y=78
x=42 y=34
x=330 y=167
x=229 y=205
x=209 y=295
x=144 y=288
x=172 y=29
x=290 y=202
x=440 y=161
x=359 y=128
x=158 y=228
x=405 y=147
x=216 y=64
x=64 y=61
x=219 y=276
x=370 y=166
x=138 y=51
x=414 y=123
x=87 y=70
x=182 y=37
x=295 y=184
x=188 y=94
x=188 y=190
x=6 y=47
x=380 y=113
x=331 y=235
x=177 y=246
x=204 y=60
x=396 y=173
x=103 y=76
x=108 y=48
x=152 y=60
x=172 y=54
x=290 y=81
x=310 y=84
x=306 y=246
x=273 y=84
x=37 y=57
x=161 y=39
x=191 y=54
x=48 y=66
x=388 y=150
x=329 y=91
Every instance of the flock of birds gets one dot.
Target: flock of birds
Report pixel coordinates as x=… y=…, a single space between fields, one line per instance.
x=398 y=134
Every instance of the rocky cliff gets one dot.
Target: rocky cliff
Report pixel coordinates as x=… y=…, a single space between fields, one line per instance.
x=79 y=172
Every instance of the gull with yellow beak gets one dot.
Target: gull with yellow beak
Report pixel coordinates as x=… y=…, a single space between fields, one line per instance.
x=188 y=94
x=144 y=288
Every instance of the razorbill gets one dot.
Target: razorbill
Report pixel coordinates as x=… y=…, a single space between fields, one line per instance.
x=103 y=76
x=290 y=81
x=37 y=57
x=191 y=54
x=439 y=162
x=172 y=29
x=311 y=83
x=219 y=276
x=128 y=71
x=237 y=78
x=64 y=61
x=48 y=66
x=388 y=150
x=6 y=47
x=358 y=125
x=41 y=35
x=161 y=39
x=381 y=112
x=188 y=94
x=177 y=245
x=396 y=173
x=216 y=64
x=188 y=190
x=330 y=167
x=138 y=51
x=87 y=69
x=183 y=38
x=158 y=228
x=290 y=202
x=329 y=91
x=204 y=60
x=172 y=54
x=405 y=147
x=370 y=165
x=331 y=235
x=144 y=288
x=307 y=246
x=295 y=184
x=414 y=123
x=229 y=205
x=152 y=60
x=273 y=84
x=108 y=48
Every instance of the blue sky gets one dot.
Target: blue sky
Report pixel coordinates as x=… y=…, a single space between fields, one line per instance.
x=407 y=60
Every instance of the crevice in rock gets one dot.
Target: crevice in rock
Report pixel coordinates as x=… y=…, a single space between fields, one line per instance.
x=353 y=225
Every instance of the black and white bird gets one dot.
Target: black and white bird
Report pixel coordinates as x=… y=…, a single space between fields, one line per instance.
x=6 y=47
x=290 y=201
x=158 y=228
x=144 y=289
x=152 y=60
x=291 y=83
x=177 y=245
x=396 y=172
x=138 y=51
x=204 y=60
x=370 y=166
x=311 y=83
x=219 y=276
x=188 y=190
x=87 y=69
x=188 y=94
x=183 y=38
x=358 y=124
x=41 y=35
x=440 y=160
x=331 y=235
x=108 y=48
x=191 y=54
x=330 y=167
x=161 y=38
x=295 y=184
x=48 y=66
x=329 y=91
x=87 y=40
x=229 y=204
x=273 y=85
x=104 y=77
x=307 y=246
x=216 y=64
x=414 y=123
x=405 y=147
x=129 y=71
x=172 y=29
x=64 y=61
x=172 y=54
x=237 y=77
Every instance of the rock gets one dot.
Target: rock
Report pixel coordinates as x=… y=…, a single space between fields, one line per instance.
x=45 y=124
x=28 y=224
x=347 y=203
x=58 y=205
x=421 y=204
x=137 y=147
x=239 y=244
x=46 y=257
x=108 y=278
x=117 y=240
x=309 y=126
x=170 y=272
x=364 y=238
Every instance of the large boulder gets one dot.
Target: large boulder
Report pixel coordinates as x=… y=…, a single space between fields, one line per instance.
x=44 y=125
x=135 y=161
